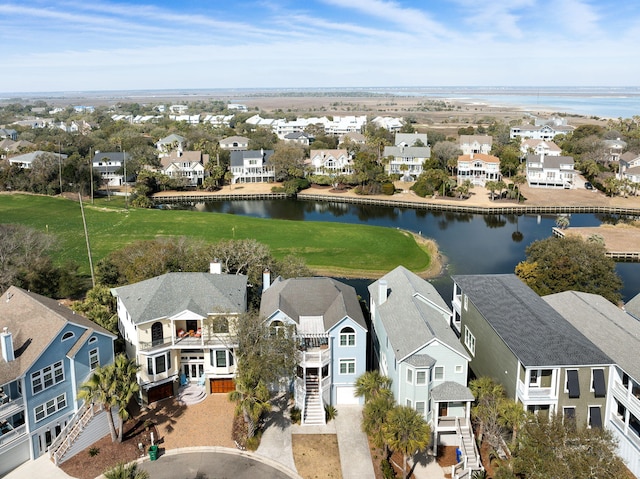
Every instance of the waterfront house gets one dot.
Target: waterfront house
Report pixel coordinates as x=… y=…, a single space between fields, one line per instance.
x=539 y=132
x=394 y=125
x=540 y=147
x=550 y=171
x=252 y=166
x=629 y=167
x=110 y=166
x=414 y=345
x=185 y=166
x=478 y=168
x=617 y=334
x=405 y=158
x=517 y=338
x=330 y=162
x=182 y=323
x=328 y=323
x=475 y=144
x=170 y=143
x=48 y=351
x=614 y=149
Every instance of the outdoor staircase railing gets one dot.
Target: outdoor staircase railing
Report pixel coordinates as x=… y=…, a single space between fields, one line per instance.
x=72 y=430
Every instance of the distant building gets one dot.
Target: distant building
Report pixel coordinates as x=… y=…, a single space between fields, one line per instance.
x=478 y=168
x=550 y=171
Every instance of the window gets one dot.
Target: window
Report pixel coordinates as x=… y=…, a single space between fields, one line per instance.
x=410 y=376
x=595 y=417
x=94 y=360
x=459 y=369
x=221 y=358
x=597 y=383
x=408 y=402
x=50 y=407
x=420 y=407
x=159 y=364
x=67 y=335
x=534 y=378
x=347 y=337
x=347 y=366
x=439 y=373
x=469 y=341
x=47 y=377
x=421 y=377
x=572 y=385
x=466 y=302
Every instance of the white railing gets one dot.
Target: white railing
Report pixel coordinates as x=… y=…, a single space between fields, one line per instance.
x=12 y=435
x=11 y=407
x=534 y=392
x=300 y=394
x=71 y=431
x=319 y=357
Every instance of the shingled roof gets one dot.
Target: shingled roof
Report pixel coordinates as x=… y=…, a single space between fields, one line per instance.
x=535 y=332
x=172 y=293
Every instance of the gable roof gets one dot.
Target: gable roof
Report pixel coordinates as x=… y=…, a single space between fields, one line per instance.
x=479 y=157
x=410 y=138
x=238 y=156
x=314 y=296
x=633 y=306
x=404 y=151
x=34 y=321
x=413 y=314
x=550 y=161
x=234 y=139
x=171 y=138
x=172 y=293
x=111 y=156
x=482 y=139
x=535 y=332
x=593 y=315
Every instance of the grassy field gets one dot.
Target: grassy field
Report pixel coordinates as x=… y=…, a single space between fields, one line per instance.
x=332 y=248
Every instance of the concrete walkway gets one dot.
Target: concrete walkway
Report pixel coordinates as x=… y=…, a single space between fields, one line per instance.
x=41 y=467
x=355 y=456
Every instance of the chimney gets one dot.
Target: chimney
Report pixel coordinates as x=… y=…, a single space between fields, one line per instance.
x=266 y=279
x=542 y=157
x=7 y=345
x=215 y=267
x=471 y=155
x=382 y=291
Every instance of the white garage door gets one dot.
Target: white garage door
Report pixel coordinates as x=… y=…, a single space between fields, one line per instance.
x=344 y=395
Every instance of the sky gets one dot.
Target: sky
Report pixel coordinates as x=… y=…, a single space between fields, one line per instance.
x=96 y=45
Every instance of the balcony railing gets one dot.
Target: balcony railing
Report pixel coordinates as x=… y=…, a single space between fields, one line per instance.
x=155 y=344
x=534 y=392
x=314 y=357
x=10 y=436
x=13 y=406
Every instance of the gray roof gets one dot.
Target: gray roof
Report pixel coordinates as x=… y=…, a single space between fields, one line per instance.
x=172 y=293
x=34 y=321
x=414 y=151
x=615 y=332
x=451 y=391
x=171 y=138
x=421 y=361
x=238 y=157
x=410 y=138
x=551 y=161
x=535 y=332
x=633 y=306
x=298 y=134
x=32 y=156
x=317 y=296
x=413 y=314
x=111 y=156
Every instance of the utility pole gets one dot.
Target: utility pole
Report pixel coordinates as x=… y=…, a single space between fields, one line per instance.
x=124 y=162
x=60 y=165
x=86 y=236
x=91 y=173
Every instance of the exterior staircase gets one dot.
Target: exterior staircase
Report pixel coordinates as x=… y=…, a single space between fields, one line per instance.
x=470 y=455
x=313 y=414
x=89 y=425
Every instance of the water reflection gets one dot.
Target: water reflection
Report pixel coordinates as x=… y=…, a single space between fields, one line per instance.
x=474 y=244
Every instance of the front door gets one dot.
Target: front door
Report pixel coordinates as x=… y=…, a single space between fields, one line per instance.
x=192 y=363
x=443 y=409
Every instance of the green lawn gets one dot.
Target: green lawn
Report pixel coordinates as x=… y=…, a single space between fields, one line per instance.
x=333 y=248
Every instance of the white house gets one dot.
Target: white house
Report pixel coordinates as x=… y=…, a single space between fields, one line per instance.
x=179 y=327
x=475 y=144
x=188 y=165
x=539 y=132
x=110 y=166
x=330 y=162
x=252 y=166
x=540 y=147
x=550 y=171
x=327 y=320
x=478 y=168
x=301 y=138
x=234 y=143
x=26 y=160
x=388 y=123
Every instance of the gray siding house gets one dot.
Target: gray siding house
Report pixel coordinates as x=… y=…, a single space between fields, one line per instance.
x=517 y=338
x=332 y=334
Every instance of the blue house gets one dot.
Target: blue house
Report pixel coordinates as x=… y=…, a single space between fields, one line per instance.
x=416 y=348
x=48 y=351
x=332 y=334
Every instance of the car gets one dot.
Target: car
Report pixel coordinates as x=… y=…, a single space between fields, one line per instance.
x=588 y=185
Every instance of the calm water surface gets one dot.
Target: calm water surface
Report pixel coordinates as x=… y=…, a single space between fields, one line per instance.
x=473 y=244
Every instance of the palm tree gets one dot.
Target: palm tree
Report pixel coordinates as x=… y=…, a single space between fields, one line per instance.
x=127 y=385
x=492 y=186
x=405 y=431
x=251 y=402
x=519 y=180
x=372 y=384
x=487 y=393
x=512 y=414
x=126 y=471
x=100 y=388
x=374 y=416
x=562 y=222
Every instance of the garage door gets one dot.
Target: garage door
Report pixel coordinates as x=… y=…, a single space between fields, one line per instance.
x=160 y=392
x=344 y=395
x=222 y=385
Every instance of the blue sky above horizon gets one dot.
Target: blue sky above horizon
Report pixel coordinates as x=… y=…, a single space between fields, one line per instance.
x=136 y=44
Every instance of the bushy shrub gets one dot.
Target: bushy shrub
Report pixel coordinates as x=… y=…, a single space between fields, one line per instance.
x=388 y=189
x=330 y=412
x=296 y=415
x=387 y=470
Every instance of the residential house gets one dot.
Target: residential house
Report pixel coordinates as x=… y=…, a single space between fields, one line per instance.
x=328 y=323
x=218 y=121
x=179 y=327
x=187 y=166
x=478 y=168
x=190 y=119
x=475 y=144
x=26 y=160
x=517 y=338
x=614 y=149
x=178 y=109
x=330 y=162
x=539 y=132
x=414 y=345
x=355 y=137
x=8 y=133
x=48 y=351
x=405 y=160
x=9 y=146
x=632 y=306
x=170 y=143
x=258 y=122
x=252 y=166
x=237 y=107
x=550 y=171
x=411 y=139
x=629 y=167
x=110 y=166
x=540 y=147
x=234 y=143
x=342 y=125
x=301 y=138
x=617 y=334
x=388 y=123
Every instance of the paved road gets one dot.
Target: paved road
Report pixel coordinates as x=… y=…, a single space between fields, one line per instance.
x=209 y=464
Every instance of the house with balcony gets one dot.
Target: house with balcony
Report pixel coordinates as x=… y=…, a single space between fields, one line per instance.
x=235 y=142
x=171 y=143
x=252 y=166
x=614 y=149
x=28 y=160
x=539 y=131
x=550 y=171
x=404 y=160
x=475 y=144
x=542 y=360
x=48 y=351
x=110 y=166
x=330 y=162
x=629 y=167
x=187 y=167
x=617 y=334
x=327 y=320
x=179 y=328
x=539 y=147
x=478 y=168
x=414 y=345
